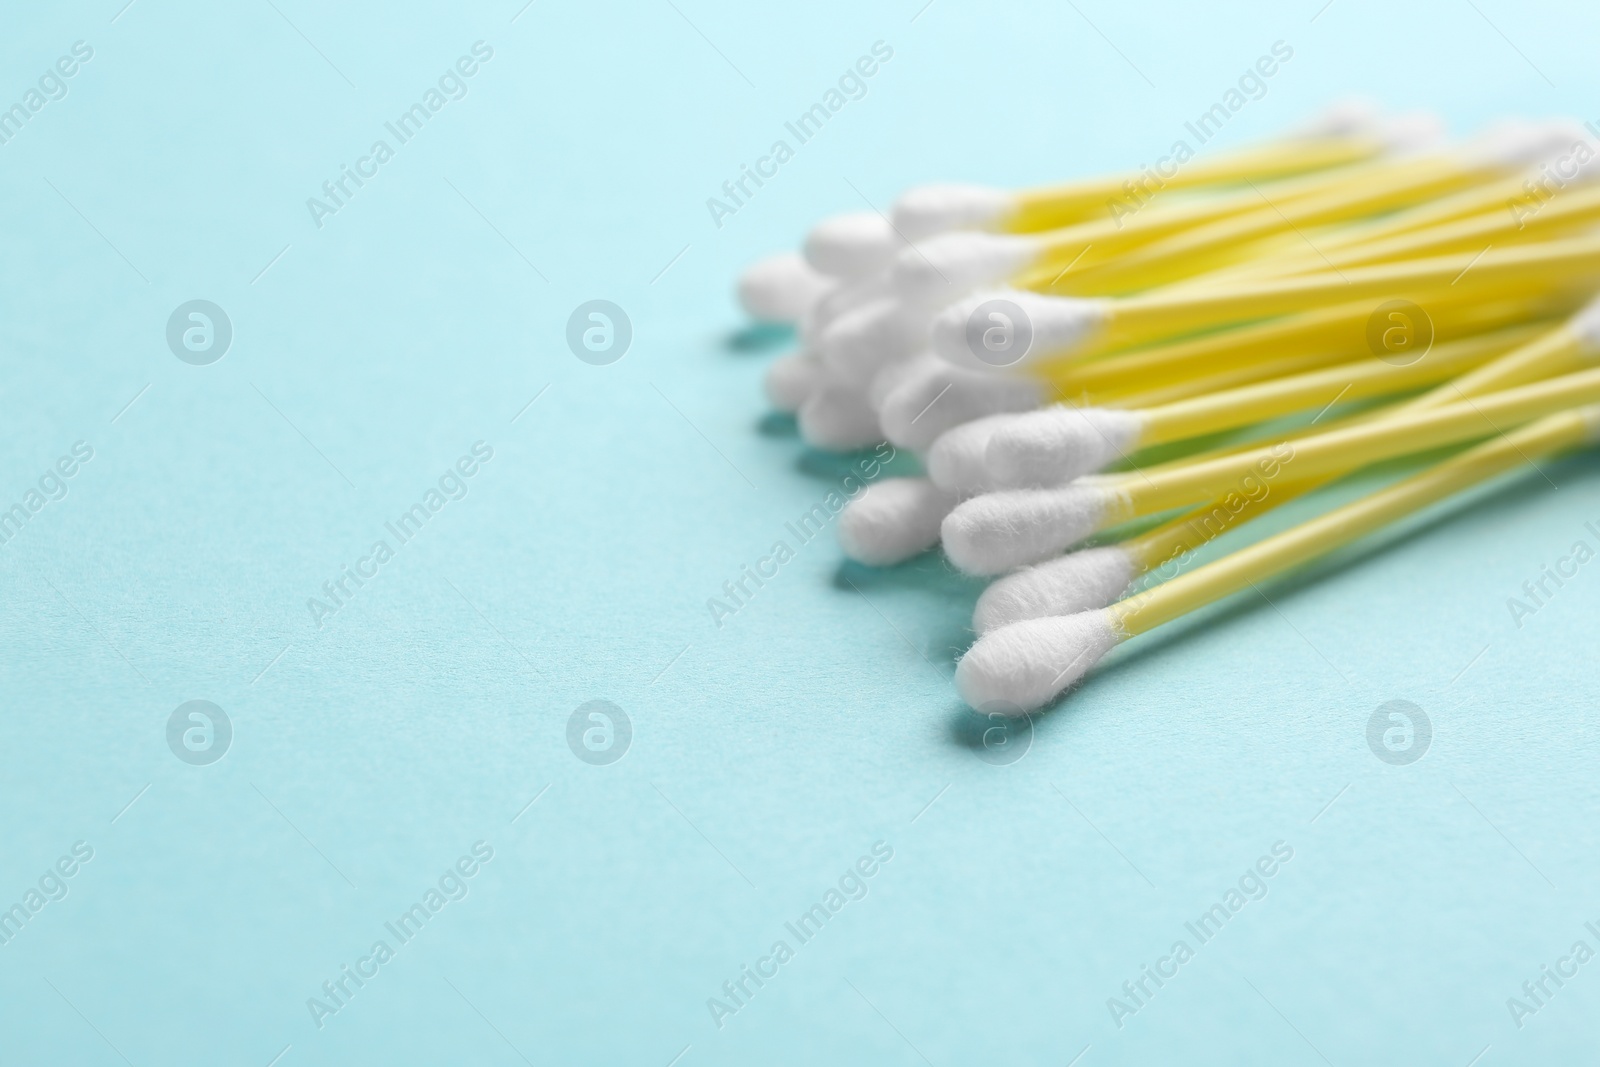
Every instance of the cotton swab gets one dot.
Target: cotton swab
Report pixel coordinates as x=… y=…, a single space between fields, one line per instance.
x=1054 y=445
x=852 y=247
x=1161 y=245
x=997 y=531
x=792 y=378
x=856 y=246
x=1411 y=181
x=958 y=460
x=840 y=253
x=865 y=339
x=941 y=396
x=1571 y=346
x=1021 y=667
x=1520 y=199
x=1341 y=136
x=1232 y=299
x=838 y=418
x=920 y=407
x=931 y=209
x=908 y=402
x=891 y=378
x=947 y=265
x=1084 y=580
x=899 y=518
x=865 y=336
x=1062 y=326
x=1284 y=345
x=783 y=290
x=927 y=409
x=1092 y=578
x=893 y=520
x=1578 y=207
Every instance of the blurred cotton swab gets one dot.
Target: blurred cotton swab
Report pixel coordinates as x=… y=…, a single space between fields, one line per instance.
x=1509 y=149
x=1054 y=445
x=895 y=323
x=848 y=248
x=893 y=520
x=1247 y=291
x=992 y=533
x=1063 y=326
x=954 y=414
x=1023 y=666
x=1094 y=577
x=1344 y=134
x=1577 y=208
x=1186 y=239
x=781 y=288
x=1287 y=344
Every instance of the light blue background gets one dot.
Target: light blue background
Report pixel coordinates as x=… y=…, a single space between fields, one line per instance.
x=767 y=754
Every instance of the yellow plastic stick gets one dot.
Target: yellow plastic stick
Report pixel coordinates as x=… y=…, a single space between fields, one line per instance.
x=1255 y=373
x=1186 y=253
x=1557 y=351
x=1083 y=245
x=1153 y=490
x=1335 y=333
x=1562 y=215
x=1363 y=380
x=1491 y=196
x=1274 y=555
x=1517 y=270
x=1054 y=206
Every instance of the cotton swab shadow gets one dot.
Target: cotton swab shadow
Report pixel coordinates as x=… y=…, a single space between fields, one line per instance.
x=758 y=337
x=778 y=424
x=862 y=465
x=988 y=737
x=828 y=466
x=968 y=729
x=928 y=574
x=942 y=595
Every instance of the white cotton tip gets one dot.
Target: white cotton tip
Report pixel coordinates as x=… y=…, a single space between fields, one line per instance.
x=836 y=418
x=851 y=247
x=1056 y=444
x=956 y=461
x=992 y=533
x=781 y=288
x=842 y=298
x=792 y=378
x=1007 y=328
x=1022 y=667
x=1514 y=143
x=1354 y=116
x=893 y=520
x=934 y=400
x=929 y=209
x=893 y=376
x=950 y=264
x=865 y=339
x=1586 y=326
x=1411 y=133
x=1079 y=581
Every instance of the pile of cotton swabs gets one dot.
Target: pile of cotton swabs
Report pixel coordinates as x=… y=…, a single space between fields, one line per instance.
x=1376 y=290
